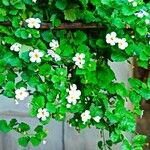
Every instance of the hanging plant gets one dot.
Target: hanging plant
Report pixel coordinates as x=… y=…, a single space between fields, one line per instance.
x=59 y=51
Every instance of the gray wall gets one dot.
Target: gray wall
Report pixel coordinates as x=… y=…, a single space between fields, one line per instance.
x=61 y=136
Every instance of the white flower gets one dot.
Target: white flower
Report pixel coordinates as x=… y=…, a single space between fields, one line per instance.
x=35 y=56
x=72 y=99
x=33 y=22
x=141 y=14
x=134 y=4
x=21 y=93
x=147 y=21
x=111 y=38
x=42 y=114
x=85 y=116
x=79 y=59
x=122 y=44
x=54 y=44
x=74 y=94
x=34 y=1
x=97 y=118
x=15 y=47
x=130 y=1
x=54 y=55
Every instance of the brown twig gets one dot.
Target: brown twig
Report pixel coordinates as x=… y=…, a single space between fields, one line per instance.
x=76 y=25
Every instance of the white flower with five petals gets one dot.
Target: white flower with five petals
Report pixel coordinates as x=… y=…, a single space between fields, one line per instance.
x=35 y=56
x=33 y=22
x=85 y=116
x=111 y=38
x=42 y=114
x=21 y=93
x=74 y=94
x=16 y=47
x=79 y=59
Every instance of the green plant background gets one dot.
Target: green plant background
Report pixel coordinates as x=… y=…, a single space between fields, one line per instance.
x=96 y=80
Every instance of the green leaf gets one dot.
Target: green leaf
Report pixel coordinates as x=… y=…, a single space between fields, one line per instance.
x=118 y=22
x=4 y=127
x=119 y=56
x=61 y=4
x=10 y=86
x=100 y=144
x=139 y=140
x=145 y=93
x=38 y=101
x=71 y=14
x=47 y=36
x=45 y=69
x=105 y=76
x=79 y=37
x=24 y=52
x=2 y=79
x=51 y=107
x=126 y=145
x=42 y=88
x=23 y=127
x=35 y=141
x=22 y=33
x=39 y=128
x=6 y=2
x=23 y=141
x=142 y=30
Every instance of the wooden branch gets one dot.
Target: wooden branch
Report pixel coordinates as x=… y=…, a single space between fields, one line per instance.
x=140 y=72
x=76 y=25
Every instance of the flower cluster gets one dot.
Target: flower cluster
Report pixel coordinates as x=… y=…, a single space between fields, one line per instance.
x=112 y=39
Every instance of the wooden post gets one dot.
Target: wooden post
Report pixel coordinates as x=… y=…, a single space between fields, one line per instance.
x=143 y=123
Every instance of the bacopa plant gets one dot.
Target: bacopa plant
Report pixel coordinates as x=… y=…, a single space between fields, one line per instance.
x=58 y=50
